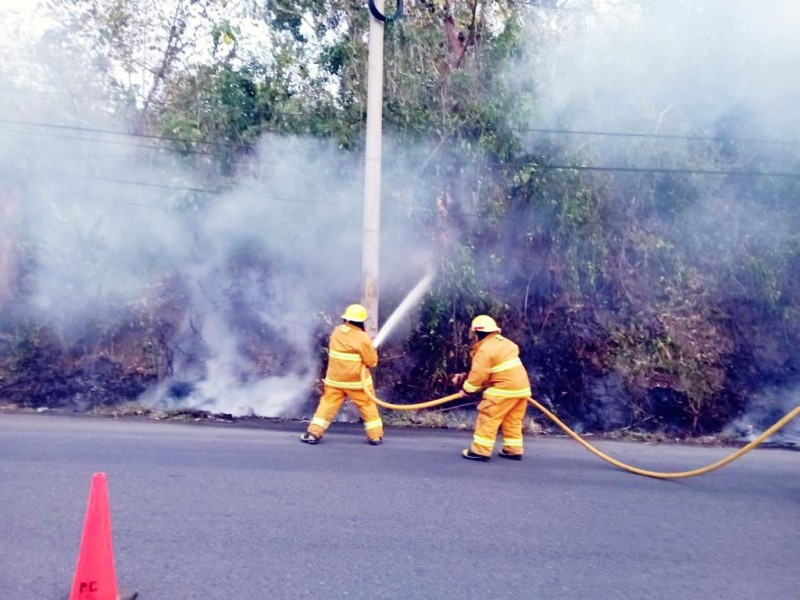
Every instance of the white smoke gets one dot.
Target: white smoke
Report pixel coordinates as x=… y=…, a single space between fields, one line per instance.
x=111 y=220
x=763 y=411
x=663 y=66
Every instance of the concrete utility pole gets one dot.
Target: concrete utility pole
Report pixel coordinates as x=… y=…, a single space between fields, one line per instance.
x=372 y=171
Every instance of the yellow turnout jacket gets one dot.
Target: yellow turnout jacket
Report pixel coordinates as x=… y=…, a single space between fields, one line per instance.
x=349 y=349
x=497 y=368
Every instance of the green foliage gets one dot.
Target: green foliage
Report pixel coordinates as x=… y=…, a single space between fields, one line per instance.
x=219 y=105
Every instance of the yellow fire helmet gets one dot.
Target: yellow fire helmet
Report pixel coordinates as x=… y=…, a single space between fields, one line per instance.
x=484 y=324
x=355 y=313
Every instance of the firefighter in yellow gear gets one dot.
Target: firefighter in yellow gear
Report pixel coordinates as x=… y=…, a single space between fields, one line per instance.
x=497 y=370
x=349 y=350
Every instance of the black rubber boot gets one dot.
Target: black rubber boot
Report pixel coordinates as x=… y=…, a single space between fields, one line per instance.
x=510 y=456
x=470 y=455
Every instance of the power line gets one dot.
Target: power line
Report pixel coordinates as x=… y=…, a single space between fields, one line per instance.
x=114 y=142
x=60 y=94
x=659 y=136
x=536 y=130
x=168 y=187
x=123 y=133
x=584 y=10
x=125 y=202
x=168 y=209
x=783 y=174
x=162 y=186
x=553 y=131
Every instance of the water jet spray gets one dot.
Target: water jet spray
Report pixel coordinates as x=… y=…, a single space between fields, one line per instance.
x=409 y=301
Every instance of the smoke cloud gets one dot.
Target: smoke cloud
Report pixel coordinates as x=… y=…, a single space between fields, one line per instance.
x=670 y=67
x=765 y=409
x=111 y=224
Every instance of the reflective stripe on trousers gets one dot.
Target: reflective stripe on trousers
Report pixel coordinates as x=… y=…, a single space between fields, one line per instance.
x=482 y=441
x=373 y=424
x=494 y=413
x=332 y=400
x=512 y=442
x=320 y=422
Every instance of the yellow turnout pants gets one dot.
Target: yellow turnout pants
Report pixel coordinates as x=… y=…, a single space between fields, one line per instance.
x=494 y=412
x=330 y=403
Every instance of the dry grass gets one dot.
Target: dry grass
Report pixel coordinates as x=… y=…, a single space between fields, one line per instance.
x=451 y=419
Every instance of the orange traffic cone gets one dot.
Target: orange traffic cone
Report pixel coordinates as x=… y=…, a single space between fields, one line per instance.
x=94 y=575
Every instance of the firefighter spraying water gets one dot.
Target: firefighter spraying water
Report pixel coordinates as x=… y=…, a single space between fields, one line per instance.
x=349 y=352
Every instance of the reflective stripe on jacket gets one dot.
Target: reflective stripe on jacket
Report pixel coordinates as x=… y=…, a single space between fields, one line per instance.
x=497 y=368
x=348 y=351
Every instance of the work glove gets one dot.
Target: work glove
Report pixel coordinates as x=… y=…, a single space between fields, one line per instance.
x=458 y=378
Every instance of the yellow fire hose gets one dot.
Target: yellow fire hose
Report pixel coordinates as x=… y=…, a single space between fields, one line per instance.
x=655 y=474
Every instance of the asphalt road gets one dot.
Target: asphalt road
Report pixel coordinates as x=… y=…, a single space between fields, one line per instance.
x=231 y=513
